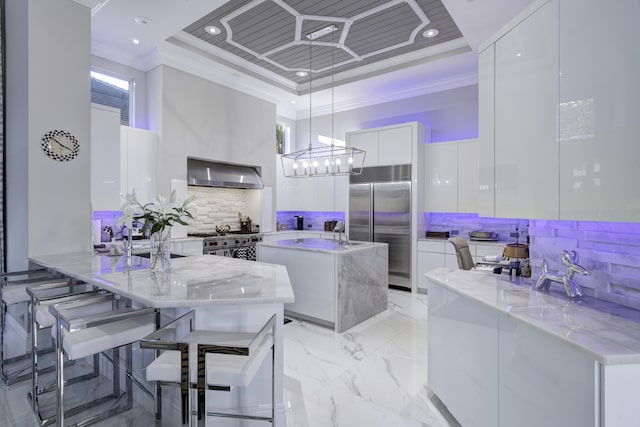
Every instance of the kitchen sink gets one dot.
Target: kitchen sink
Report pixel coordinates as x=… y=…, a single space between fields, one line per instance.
x=148 y=255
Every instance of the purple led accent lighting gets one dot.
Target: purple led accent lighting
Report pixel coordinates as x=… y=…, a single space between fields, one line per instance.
x=313 y=220
x=106 y=215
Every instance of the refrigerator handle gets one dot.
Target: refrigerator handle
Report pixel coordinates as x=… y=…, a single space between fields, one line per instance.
x=372 y=206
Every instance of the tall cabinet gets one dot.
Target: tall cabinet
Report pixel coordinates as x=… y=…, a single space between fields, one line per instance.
x=558 y=113
x=522 y=139
x=599 y=110
x=105 y=157
x=138 y=163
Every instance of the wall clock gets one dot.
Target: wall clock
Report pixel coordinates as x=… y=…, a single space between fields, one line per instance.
x=60 y=145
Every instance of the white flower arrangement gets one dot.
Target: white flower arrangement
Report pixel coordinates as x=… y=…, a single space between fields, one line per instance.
x=157 y=215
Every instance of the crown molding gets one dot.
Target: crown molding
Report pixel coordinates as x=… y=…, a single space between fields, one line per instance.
x=453 y=82
x=94 y=5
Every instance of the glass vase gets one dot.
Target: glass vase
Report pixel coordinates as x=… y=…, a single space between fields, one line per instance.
x=160 y=256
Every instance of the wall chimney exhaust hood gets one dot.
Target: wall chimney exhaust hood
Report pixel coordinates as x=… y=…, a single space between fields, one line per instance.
x=215 y=174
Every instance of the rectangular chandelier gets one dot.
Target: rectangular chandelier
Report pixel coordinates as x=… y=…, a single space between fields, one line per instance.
x=323 y=161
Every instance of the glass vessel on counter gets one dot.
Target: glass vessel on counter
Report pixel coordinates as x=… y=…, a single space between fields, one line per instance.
x=158 y=217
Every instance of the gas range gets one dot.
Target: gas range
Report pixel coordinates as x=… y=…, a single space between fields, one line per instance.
x=236 y=244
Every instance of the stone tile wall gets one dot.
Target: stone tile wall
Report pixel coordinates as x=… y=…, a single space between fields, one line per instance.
x=610 y=251
x=217 y=206
x=461 y=224
x=313 y=221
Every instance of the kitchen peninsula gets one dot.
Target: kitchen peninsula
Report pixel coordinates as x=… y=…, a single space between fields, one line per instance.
x=502 y=353
x=228 y=295
x=336 y=284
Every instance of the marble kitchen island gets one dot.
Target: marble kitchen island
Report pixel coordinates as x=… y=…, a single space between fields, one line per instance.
x=228 y=294
x=336 y=285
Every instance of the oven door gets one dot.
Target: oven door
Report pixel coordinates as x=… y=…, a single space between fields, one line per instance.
x=221 y=252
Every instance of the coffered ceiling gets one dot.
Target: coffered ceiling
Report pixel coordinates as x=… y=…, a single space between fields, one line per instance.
x=378 y=51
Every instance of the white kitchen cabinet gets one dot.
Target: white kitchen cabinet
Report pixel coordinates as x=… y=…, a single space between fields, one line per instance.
x=324 y=194
x=486 y=132
x=463 y=357
x=105 y=158
x=390 y=145
x=138 y=163
x=312 y=274
x=468 y=176
x=441 y=177
x=526 y=95
x=599 y=110
x=394 y=145
x=451 y=176
x=368 y=142
x=427 y=261
x=538 y=371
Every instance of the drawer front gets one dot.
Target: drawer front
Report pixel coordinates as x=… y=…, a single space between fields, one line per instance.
x=431 y=246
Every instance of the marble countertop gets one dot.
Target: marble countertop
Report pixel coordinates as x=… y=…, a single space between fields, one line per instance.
x=320 y=245
x=608 y=332
x=500 y=243
x=193 y=281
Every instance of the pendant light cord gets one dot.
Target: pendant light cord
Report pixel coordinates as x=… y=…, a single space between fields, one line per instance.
x=332 y=103
x=310 y=80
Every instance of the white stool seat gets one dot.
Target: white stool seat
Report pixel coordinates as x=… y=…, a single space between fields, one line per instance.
x=45 y=319
x=222 y=369
x=89 y=341
x=16 y=293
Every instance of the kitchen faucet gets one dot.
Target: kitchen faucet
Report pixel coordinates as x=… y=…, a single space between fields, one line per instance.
x=339 y=228
x=569 y=259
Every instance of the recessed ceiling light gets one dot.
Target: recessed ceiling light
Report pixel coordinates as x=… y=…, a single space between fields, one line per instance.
x=211 y=29
x=432 y=32
x=322 y=32
x=135 y=41
x=302 y=73
x=141 y=20
x=293 y=101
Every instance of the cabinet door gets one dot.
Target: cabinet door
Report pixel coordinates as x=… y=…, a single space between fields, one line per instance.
x=599 y=111
x=468 y=176
x=526 y=95
x=285 y=189
x=428 y=261
x=141 y=162
x=486 y=116
x=367 y=141
x=394 y=146
x=441 y=177
x=105 y=158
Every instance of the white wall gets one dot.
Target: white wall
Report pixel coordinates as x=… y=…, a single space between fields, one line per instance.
x=206 y=120
x=450 y=114
x=47 y=89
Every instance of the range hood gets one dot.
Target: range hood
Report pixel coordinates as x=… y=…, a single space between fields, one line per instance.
x=215 y=174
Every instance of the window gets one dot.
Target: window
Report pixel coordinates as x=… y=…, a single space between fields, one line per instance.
x=283 y=135
x=113 y=92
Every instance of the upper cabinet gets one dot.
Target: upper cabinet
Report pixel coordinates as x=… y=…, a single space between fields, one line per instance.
x=391 y=145
x=599 y=110
x=326 y=194
x=450 y=181
x=558 y=113
x=105 y=157
x=138 y=163
x=524 y=144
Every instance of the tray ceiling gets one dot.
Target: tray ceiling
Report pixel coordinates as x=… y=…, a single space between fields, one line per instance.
x=271 y=34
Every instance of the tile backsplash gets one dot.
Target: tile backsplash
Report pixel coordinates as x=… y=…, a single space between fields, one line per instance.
x=217 y=206
x=461 y=224
x=609 y=251
x=313 y=221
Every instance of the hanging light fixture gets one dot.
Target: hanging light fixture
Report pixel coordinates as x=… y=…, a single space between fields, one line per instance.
x=322 y=161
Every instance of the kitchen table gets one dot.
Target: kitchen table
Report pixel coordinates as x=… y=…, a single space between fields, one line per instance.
x=228 y=294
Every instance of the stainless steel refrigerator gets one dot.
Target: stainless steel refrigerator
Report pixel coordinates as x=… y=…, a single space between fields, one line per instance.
x=380 y=211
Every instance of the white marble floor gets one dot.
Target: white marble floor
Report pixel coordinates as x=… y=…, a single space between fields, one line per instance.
x=372 y=375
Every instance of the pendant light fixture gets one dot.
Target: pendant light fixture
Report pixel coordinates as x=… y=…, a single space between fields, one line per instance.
x=322 y=161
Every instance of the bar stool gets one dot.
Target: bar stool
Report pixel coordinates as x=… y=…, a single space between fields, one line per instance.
x=78 y=338
x=208 y=360
x=13 y=287
x=463 y=254
x=41 y=320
